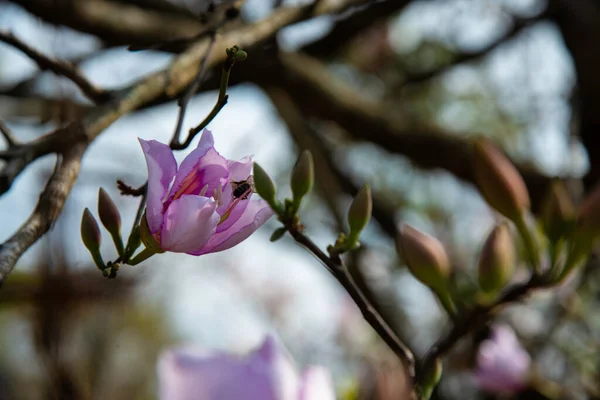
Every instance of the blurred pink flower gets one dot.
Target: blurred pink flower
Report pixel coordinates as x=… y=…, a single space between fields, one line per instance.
x=265 y=374
x=502 y=363
x=192 y=209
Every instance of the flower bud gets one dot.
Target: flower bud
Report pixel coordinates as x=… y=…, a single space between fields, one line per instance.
x=108 y=212
x=497 y=260
x=359 y=213
x=558 y=211
x=499 y=181
x=90 y=233
x=431 y=378
x=278 y=234
x=302 y=177
x=588 y=214
x=264 y=186
x=425 y=257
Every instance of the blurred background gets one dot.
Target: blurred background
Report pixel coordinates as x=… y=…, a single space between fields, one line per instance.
x=389 y=93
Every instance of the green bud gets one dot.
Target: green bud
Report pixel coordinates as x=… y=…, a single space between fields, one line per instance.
x=278 y=234
x=303 y=176
x=90 y=235
x=558 y=211
x=431 y=378
x=425 y=257
x=359 y=213
x=147 y=238
x=90 y=232
x=110 y=218
x=497 y=260
x=240 y=55
x=108 y=212
x=264 y=186
x=499 y=182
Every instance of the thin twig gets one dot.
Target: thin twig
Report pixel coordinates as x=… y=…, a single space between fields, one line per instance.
x=475 y=318
x=59 y=67
x=190 y=91
x=8 y=136
x=339 y=271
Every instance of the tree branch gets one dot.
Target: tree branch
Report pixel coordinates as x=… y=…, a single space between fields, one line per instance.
x=170 y=81
x=318 y=92
x=48 y=208
x=339 y=271
x=57 y=66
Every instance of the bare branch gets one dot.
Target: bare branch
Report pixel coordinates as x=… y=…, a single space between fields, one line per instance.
x=48 y=208
x=8 y=136
x=171 y=81
x=318 y=92
x=57 y=66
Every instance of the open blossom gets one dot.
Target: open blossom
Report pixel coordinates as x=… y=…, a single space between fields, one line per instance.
x=265 y=374
x=502 y=363
x=192 y=209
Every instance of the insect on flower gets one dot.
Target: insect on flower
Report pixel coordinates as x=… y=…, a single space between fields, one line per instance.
x=242 y=189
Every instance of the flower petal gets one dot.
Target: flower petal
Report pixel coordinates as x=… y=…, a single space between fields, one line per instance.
x=238 y=171
x=266 y=374
x=316 y=385
x=161 y=169
x=203 y=166
x=189 y=222
x=256 y=213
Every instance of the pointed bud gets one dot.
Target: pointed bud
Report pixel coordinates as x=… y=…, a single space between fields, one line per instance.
x=264 y=186
x=108 y=212
x=302 y=177
x=497 y=260
x=90 y=235
x=278 y=234
x=588 y=214
x=558 y=211
x=359 y=213
x=111 y=219
x=425 y=257
x=499 y=181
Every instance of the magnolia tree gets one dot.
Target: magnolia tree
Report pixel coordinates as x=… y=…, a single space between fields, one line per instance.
x=209 y=204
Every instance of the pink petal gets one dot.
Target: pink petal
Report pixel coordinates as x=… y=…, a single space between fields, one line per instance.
x=161 y=169
x=189 y=374
x=188 y=224
x=316 y=385
x=203 y=166
x=238 y=171
x=256 y=213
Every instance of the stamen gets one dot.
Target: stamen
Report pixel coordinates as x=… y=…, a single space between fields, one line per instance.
x=232 y=205
x=203 y=191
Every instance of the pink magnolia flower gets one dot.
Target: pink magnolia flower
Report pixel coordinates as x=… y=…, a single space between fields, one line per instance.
x=192 y=209
x=265 y=374
x=502 y=363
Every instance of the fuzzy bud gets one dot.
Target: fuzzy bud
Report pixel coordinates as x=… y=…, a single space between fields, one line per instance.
x=264 y=186
x=558 y=211
x=303 y=175
x=425 y=257
x=91 y=237
x=359 y=213
x=497 y=260
x=499 y=181
x=108 y=212
x=90 y=232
